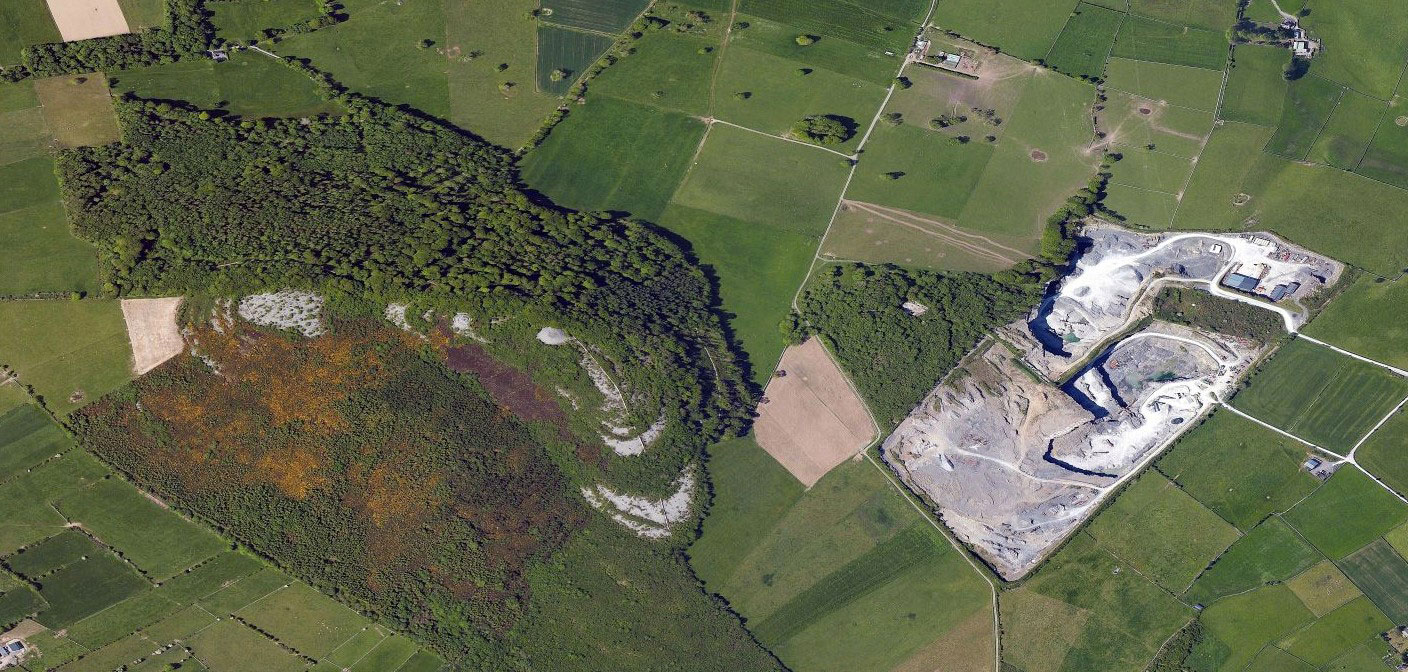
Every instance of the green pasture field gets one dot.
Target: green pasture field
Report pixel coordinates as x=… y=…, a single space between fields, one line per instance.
x=1017 y=192
x=499 y=32
x=390 y=654
x=1262 y=11
x=1151 y=169
x=938 y=93
x=1024 y=28
x=568 y=51
x=1309 y=103
x=778 y=95
x=23 y=134
x=49 y=651
x=356 y=647
x=1270 y=552
x=1179 y=85
x=1398 y=538
x=759 y=268
x=1367 y=657
x=22 y=23
x=1256 y=87
x=19 y=602
x=27 y=183
x=758 y=179
x=805 y=566
x=1141 y=207
x=305 y=619
x=917 y=240
x=1337 y=632
x=1162 y=531
x=46 y=256
x=1132 y=124
x=28 y=517
x=247 y=85
x=1085 y=42
x=121 y=619
x=12 y=396
x=1364 y=49
x=210 y=576
x=1251 y=620
x=53 y=553
x=238 y=20
x=883 y=26
x=1239 y=469
x=1345 y=137
x=153 y=538
x=65 y=348
x=1146 y=39
x=28 y=437
x=1272 y=659
x=1123 y=618
x=1383 y=576
x=422 y=661
x=1316 y=393
x=615 y=155
x=939 y=173
x=1383 y=455
x=245 y=591
x=666 y=70
x=1349 y=511
x=1039 y=630
x=1323 y=588
x=231 y=646
x=1215 y=15
x=377 y=52
x=78 y=109
x=836 y=54
x=144 y=14
x=606 y=16
x=86 y=587
x=1386 y=159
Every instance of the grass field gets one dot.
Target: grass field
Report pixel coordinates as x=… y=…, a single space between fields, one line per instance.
x=1147 y=39
x=1217 y=15
x=819 y=574
x=1386 y=159
x=238 y=20
x=28 y=437
x=607 y=16
x=155 y=539
x=668 y=70
x=305 y=619
x=78 y=109
x=1256 y=88
x=144 y=14
x=1336 y=632
x=879 y=234
x=1184 y=86
x=1346 y=513
x=53 y=553
x=1323 y=588
x=1367 y=657
x=247 y=85
x=938 y=173
x=1151 y=169
x=1239 y=469
x=883 y=26
x=1383 y=455
x=1272 y=659
x=566 y=54
x=1318 y=394
x=1271 y=552
x=22 y=23
x=615 y=155
x=28 y=516
x=837 y=55
x=1024 y=28
x=86 y=587
x=1346 y=135
x=71 y=352
x=1085 y=42
x=229 y=645
x=498 y=32
x=1368 y=51
x=1161 y=530
x=1309 y=103
x=1383 y=576
x=45 y=256
x=1251 y=620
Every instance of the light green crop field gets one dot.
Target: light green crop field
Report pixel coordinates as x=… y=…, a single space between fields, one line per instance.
x=1146 y=39
x=563 y=55
x=153 y=538
x=1179 y=85
x=885 y=25
x=1251 y=620
x=667 y=70
x=813 y=573
x=1239 y=469
x=1270 y=552
x=144 y=14
x=1098 y=614
x=1336 y=632
x=71 y=352
x=1256 y=87
x=237 y=20
x=229 y=645
x=1346 y=135
x=1216 y=15
x=1383 y=576
x=46 y=257
x=1385 y=454
x=1316 y=393
x=1309 y=103
x=1024 y=28
x=1323 y=588
x=759 y=268
x=1369 y=49
x=12 y=396
x=247 y=85
x=1349 y=511
x=1262 y=11
x=835 y=54
x=1085 y=42
x=478 y=38
x=937 y=172
x=28 y=515
x=27 y=183
x=615 y=155
x=305 y=619
x=1387 y=157
x=1161 y=530
x=770 y=93
x=758 y=179
x=29 y=437
x=78 y=109
x=22 y=23
x=607 y=16
x=1141 y=207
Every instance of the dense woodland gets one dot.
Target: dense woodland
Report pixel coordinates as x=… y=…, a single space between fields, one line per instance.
x=189 y=34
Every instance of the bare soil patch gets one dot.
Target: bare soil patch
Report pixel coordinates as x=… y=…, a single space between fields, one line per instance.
x=152 y=330
x=812 y=420
x=1037 y=155
x=1401 y=121
x=85 y=19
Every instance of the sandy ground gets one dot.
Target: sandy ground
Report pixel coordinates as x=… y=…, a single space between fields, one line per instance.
x=151 y=327
x=812 y=420
x=84 y=19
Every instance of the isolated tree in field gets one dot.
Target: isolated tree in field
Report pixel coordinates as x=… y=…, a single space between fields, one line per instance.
x=427 y=43
x=903 y=82
x=743 y=95
x=825 y=129
x=805 y=39
x=893 y=118
x=558 y=75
